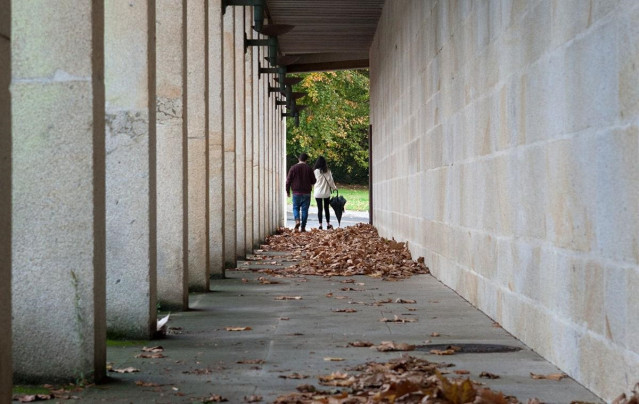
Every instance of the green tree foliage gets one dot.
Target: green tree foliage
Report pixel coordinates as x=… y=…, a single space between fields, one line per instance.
x=335 y=124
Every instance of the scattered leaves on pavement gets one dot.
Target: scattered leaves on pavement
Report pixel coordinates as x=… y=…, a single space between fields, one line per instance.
x=288 y=298
x=331 y=359
x=390 y=346
x=488 y=375
x=552 y=376
x=253 y=398
x=346 y=251
x=238 y=328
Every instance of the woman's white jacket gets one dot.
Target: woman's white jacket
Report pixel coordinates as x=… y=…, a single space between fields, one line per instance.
x=324 y=184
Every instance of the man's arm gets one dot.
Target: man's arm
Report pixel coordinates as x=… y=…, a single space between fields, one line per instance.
x=289 y=178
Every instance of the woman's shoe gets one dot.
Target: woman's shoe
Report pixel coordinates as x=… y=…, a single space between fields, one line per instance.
x=297 y=226
x=328 y=226
x=320 y=227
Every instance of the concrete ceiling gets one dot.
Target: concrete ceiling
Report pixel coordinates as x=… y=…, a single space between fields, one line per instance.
x=328 y=34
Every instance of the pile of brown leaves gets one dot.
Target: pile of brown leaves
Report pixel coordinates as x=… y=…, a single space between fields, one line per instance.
x=401 y=380
x=346 y=251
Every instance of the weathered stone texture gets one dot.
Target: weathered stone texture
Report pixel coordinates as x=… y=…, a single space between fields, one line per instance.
x=198 y=269
x=216 y=140
x=229 y=130
x=6 y=369
x=58 y=190
x=515 y=125
x=130 y=190
x=240 y=134
x=171 y=158
x=249 y=72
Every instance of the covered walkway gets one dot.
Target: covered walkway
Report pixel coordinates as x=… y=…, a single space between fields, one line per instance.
x=287 y=342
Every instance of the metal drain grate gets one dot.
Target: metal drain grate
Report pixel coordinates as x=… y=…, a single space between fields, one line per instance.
x=469 y=348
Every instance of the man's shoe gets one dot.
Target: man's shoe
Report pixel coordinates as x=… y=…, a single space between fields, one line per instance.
x=303 y=230
x=320 y=227
x=329 y=226
x=297 y=226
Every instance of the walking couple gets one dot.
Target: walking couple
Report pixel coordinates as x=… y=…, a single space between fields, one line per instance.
x=300 y=179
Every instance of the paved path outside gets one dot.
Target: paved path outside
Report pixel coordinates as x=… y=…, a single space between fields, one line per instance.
x=294 y=336
x=349 y=218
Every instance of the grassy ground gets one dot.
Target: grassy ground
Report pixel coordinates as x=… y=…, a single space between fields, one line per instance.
x=356 y=197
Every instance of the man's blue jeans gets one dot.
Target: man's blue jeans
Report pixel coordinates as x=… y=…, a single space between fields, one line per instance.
x=303 y=202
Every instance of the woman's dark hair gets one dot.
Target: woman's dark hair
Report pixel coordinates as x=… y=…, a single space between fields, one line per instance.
x=321 y=164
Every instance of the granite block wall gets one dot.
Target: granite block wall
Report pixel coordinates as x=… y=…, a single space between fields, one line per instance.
x=505 y=144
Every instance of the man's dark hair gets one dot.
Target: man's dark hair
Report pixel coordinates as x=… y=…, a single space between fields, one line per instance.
x=303 y=157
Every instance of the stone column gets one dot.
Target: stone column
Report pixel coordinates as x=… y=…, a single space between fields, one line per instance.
x=263 y=158
x=240 y=134
x=5 y=201
x=130 y=169
x=196 y=119
x=256 y=147
x=171 y=157
x=216 y=138
x=59 y=324
x=248 y=94
x=228 y=89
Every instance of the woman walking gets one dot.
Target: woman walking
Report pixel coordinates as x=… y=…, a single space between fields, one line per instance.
x=324 y=184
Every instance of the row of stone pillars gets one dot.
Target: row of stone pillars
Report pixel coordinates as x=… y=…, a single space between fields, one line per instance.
x=143 y=155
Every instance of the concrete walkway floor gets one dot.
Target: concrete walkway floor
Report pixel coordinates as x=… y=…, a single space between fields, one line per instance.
x=294 y=338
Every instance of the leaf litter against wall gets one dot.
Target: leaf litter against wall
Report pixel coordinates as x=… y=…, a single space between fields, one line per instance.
x=346 y=251
x=400 y=380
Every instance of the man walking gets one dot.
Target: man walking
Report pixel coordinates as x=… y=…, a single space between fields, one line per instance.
x=300 y=179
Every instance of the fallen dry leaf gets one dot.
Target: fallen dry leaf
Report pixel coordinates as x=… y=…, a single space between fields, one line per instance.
x=442 y=352
x=150 y=356
x=434 y=334
x=632 y=399
x=146 y=384
x=238 y=328
x=28 y=398
x=214 y=398
x=253 y=399
x=288 y=298
x=206 y=371
x=294 y=375
x=306 y=388
x=284 y=318
x=360 y=344
x=337 y=379
x=552 y=376
x=390 y=346
x=153 y=349
x=397 y=319
x=252 y=361
x=330 y=359
x=125 y=370
x=405 y=301
x=488 y=375
x=461 y=372
x=344 y=310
